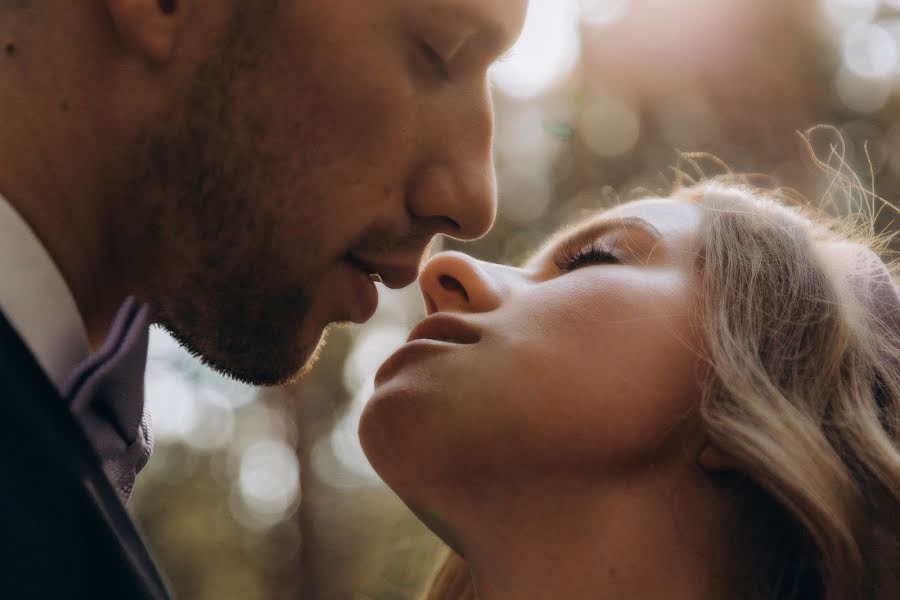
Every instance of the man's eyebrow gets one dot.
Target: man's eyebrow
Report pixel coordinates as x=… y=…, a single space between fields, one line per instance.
x=597 y=228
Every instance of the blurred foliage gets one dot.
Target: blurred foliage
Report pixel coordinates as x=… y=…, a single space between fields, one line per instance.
x=592 y=108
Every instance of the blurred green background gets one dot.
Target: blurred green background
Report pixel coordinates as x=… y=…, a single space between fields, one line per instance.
x=266 y=494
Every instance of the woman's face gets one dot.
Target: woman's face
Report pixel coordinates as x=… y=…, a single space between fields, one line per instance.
x=582 y=361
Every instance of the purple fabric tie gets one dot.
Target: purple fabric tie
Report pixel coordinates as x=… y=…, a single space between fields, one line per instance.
x=106 y=395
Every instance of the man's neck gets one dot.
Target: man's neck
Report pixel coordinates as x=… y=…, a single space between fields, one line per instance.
x=49 y=173
x=643 y=540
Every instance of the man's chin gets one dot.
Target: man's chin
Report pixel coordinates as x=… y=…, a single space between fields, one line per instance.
x=293 y=365
x=269 y=363
x=306 y=361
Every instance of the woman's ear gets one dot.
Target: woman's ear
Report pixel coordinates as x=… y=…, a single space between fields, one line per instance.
x=714 y=459
x=148 y=27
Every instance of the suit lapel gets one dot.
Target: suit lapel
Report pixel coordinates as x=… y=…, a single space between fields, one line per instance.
x=29 y=400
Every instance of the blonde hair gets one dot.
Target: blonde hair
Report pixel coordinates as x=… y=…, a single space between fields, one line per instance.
x=802 y=388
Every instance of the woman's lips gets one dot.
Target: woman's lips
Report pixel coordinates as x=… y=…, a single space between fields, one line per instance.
x=438 y=333
x=446 y=328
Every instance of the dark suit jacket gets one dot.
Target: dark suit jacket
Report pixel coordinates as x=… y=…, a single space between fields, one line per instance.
x=64 y=531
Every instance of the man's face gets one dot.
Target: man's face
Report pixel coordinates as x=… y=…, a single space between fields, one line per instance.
x=321 y=141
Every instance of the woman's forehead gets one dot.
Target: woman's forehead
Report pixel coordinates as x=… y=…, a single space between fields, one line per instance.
x=675 y=222
x=669 y=216
x=668 y=221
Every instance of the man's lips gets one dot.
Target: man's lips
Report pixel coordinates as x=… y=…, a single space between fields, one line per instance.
x=362 y=275
x=365 y=296
x=394 y=276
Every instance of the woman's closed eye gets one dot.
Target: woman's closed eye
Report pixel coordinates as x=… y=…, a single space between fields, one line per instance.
x=572 y=256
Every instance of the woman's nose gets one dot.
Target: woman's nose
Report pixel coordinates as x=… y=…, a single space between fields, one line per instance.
x=452 y=281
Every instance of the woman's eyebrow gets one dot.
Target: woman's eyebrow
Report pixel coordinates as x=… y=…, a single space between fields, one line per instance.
x=595 y=229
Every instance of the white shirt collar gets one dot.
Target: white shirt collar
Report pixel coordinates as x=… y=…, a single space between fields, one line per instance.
x=36 y=300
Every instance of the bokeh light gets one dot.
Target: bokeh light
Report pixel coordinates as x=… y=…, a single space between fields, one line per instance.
x=609 y=126
x=528 y=143
x=372 y=347
x=187 y=401
x=215 y=427
x=869 y=51
x=545 y=52
x=170 y=403
x=269 y=482
x=847 y=13
x=861 y=94
x=603 y=12
x=338 y=458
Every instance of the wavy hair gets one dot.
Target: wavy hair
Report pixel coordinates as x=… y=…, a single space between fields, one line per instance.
x=802 y=390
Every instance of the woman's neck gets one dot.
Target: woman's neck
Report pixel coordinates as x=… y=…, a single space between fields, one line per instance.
x=641 y=539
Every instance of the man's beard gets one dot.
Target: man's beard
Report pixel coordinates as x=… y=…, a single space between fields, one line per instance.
x=217 y=278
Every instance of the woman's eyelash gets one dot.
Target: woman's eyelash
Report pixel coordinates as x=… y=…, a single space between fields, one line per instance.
x=572 y=257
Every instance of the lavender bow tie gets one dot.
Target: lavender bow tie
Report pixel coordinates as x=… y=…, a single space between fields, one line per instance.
x=106 y=394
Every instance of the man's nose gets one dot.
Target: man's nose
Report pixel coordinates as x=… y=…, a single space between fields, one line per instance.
x=458 y=185
x=452 y=281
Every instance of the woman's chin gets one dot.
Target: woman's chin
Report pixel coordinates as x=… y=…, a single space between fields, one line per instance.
x=397 y=431
x=388 y=432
